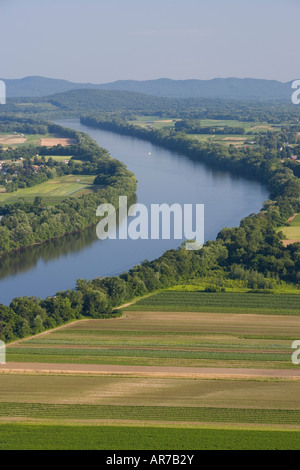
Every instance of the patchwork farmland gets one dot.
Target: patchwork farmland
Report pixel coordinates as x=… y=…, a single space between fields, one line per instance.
x=191 y=372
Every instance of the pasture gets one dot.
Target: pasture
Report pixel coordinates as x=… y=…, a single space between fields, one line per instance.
x=54 y=190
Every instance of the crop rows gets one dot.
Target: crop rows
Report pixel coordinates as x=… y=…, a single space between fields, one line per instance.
x=151 y=353
x=283 y=304
x=179 y=344
x=153 y=413
x=59 y=437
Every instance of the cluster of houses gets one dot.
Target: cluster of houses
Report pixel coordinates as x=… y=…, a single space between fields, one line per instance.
x=4 y=165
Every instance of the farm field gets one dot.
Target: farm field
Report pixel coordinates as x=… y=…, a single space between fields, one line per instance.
x=157 y=122
x=237 y=140
x=54 y=190
x=292 y=231
x=234 y=139
x=225 y=302
x=27 y=437
x=49 y=140
x=135 y=398
x=12 y=139
x=136 y=376
x=53 y=141
x=169 y=339
x=154 y=122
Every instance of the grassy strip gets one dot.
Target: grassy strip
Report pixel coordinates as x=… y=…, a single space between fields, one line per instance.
x=35 y=437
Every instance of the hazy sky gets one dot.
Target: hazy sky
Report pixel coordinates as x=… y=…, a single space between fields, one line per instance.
x=106 y=40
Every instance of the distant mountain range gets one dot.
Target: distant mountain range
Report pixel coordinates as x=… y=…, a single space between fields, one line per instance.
x=247 y=89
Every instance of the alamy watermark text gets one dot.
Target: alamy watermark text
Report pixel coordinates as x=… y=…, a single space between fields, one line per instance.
x=154 y=224
x=2 y=92
x=296 y=94
x=296 y=355
x=2 y=353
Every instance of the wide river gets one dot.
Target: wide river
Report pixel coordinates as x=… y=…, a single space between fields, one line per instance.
x=163 y=177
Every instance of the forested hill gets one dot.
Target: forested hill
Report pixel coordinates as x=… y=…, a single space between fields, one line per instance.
x=129 y=104
x=229 y=88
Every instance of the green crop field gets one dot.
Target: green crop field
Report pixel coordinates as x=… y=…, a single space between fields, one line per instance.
x=54 y=190
x=230 y=302
x=176 y=414
x=27 y=436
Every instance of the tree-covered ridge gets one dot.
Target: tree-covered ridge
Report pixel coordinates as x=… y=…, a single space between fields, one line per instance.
x=234 y=88
x=131 y=104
